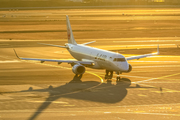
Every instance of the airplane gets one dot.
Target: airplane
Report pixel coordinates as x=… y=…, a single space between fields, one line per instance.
x=91 y=57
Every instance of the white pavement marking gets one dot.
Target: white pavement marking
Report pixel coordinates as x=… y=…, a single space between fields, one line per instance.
x=15 y=88
x=9 y=61
x=158 y=61
x=58 y=102
x=157 y=78
x=147 y=41
x=156 y=66
x=3 y=97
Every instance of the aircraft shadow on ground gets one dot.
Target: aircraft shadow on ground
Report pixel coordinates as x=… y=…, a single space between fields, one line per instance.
x=88 y=90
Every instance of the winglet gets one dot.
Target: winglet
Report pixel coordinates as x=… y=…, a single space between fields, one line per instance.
x=157 y=53
x=16 y=54
x=158 y=50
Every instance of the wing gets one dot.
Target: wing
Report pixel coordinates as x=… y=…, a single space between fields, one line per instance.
x=143 y=56
x=86 y=63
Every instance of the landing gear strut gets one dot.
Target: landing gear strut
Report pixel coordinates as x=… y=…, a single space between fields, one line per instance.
x=118 y=77
x=107 y=76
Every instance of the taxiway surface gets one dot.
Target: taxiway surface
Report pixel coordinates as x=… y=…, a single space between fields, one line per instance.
x=31 y=90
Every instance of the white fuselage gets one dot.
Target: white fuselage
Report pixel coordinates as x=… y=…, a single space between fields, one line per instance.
x=102 y=59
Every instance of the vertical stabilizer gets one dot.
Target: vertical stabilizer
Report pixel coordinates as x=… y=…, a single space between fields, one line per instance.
x=69 y=32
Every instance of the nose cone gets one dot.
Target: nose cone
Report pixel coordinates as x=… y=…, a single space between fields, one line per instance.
x=124 y=66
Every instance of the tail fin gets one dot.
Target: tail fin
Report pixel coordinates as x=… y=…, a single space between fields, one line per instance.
x=69 y=32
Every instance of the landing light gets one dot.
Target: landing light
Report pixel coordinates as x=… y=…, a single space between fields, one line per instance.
x=93 y=64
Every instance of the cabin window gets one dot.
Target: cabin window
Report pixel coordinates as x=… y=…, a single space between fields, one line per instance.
x=119 y=59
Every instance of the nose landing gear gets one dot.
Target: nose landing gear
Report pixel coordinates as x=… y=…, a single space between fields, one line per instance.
x=107 y=76
x=118 y=77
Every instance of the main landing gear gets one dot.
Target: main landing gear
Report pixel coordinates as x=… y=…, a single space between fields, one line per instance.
x=107 y=76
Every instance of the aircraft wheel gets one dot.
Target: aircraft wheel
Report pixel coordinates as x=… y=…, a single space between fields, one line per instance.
x=106 y=76
x=118 y=78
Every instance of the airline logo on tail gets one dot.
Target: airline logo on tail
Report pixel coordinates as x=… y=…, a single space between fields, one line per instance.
x=69 y=32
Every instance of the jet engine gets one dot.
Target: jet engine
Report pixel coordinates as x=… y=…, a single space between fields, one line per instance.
x=130 y=68
x=78 y=69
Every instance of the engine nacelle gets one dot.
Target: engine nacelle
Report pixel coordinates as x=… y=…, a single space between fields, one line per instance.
x=129 y=70
x=78 y=69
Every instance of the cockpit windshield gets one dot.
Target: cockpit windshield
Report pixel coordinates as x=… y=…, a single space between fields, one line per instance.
x=119 y=59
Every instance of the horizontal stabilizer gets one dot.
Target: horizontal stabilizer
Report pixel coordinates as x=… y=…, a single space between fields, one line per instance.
x=53 y=45
x=88 y=43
